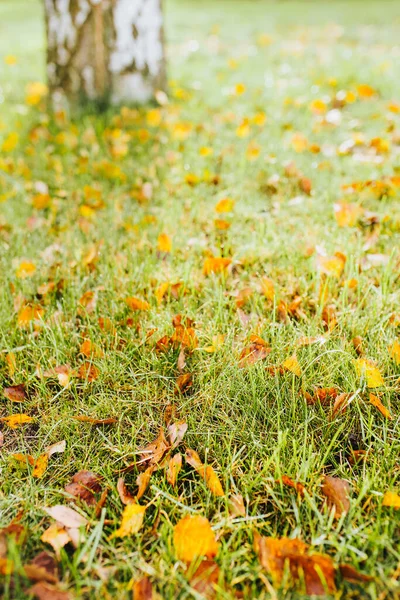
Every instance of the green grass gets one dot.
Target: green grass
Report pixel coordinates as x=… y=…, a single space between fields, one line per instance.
x=252 y=426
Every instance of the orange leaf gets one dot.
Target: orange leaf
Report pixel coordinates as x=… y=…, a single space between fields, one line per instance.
x=15 y=393
x=174 y=466
x=40 y=466
x=391 y=499
x=137 y=304
x=164 y=243
x=337 y=492
x=394 y=352
x=14 y=421
x=193 y=538
x=216 y=265
x=206 y=472
x=268 y=288
x=378 y=404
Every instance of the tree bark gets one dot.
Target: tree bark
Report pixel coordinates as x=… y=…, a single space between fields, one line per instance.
x=104 y=50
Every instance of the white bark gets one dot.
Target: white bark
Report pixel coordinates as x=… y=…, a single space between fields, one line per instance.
x=99 y=48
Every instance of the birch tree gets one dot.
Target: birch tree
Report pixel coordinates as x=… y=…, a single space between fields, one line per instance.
x=104 y=50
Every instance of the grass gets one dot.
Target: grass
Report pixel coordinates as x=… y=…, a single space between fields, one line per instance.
x=251 y=425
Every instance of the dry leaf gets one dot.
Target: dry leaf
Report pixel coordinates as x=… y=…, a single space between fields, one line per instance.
x=315 y=570
x=94 y=421
x=154 y=452
x=337 y=493
x=83 y=486
x=88 y=371
x=391 y=499
x=164 y=243
x=193 y=538
x=351 y=574
x=236 y=506
x=394 y=352
x=358 y=345
x=125 y=496
x=15 y=393
x=268 y=288
x=46 y=591
x=68 y=517
x=205 y=579
x=174 y=466
x=132 y=520
x=137 y=304
x=365 y=368
x=292 y=364
x=142 y=589
x=184 y=382
x=58 y=447
x=206 y=472
x=42 y=568
x=40 y=466
x=57 y=537
x=256 y=351
x=176 y=433
x=225 y=205
x=332 y=265
x=375 y=401
x=15 y=421
x=216 y=265
x=299 y=487
x=143 y=480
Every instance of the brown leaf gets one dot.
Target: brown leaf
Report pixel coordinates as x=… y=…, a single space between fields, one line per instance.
x=143 y=480
x=174 y=466
x=68 y=517
x=376 y=401
x=299 y=487
x=358 y=345
x=83 y=486
x=316 y=570
x=143 y=589
x=351 y=574
x=205 y=579
x=337 y=493
x=125 y=496
x=324 y=396
x=94 y=421
x=206 y=472
x=181 y=364
x=42 y=568
x=184 y=382
x=176 y=433
x=236 y=506
x=256 y=351
x=341 y=403
x=88 y=371
x=154 y=452
x=15 y=393
x=45 y=591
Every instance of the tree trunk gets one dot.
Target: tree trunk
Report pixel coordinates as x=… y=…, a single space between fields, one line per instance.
x=104 y=50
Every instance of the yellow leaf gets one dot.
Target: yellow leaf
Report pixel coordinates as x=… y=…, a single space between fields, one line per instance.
x=10 y=142
x=154 y=117
x=268 y=288
x=394 y=352
x=206 y=151
x=27 y=314
x=14 y=421
x=35 y=92
x=11 y=362
x=215 y=265
x=25 y=269
x=137 y=304
x=10 y=60
x=217 y=343
x=332 y=265
x=40 y=466
x=299 y=142
x=378 y=404
x=346 y=214
x=292 y=364
x=57 y=537
x=206 y=472
x=164 y=243
x=132 y=520
x=366 y=368
x=194 y=538
x=391 y=499
x=225 y=205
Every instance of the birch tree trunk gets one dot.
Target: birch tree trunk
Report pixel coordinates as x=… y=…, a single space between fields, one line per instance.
x=104 y=50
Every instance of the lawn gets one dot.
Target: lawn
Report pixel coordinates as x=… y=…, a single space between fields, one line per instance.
x=229 y=261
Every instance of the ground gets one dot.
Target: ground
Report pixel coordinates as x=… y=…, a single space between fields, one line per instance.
x=261 y=202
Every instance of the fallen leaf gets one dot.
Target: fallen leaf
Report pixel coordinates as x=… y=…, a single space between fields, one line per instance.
x=183 y=382
x=28 y=314
x=365 y=368
x=15 y=421
x=268 y=288
x=341 y=403
x=225 y=205
x=337 y=493
x=394 y=352
x=308 y=341
x=164 y=243
x=125 y=496
x=66 y=516
x=216 y=265
x=176 y=433
x=299 y=487
x=58 y=447
x=15 y=393
x=315 y=571
x=57 y=537
x=94 y=421
x=40 y=466
x=193 y=538
x=292 y=364
x=391 y=499
x=132 y=520
x=375 y=401
x=42 y=568
x=236 y=506
x=88 y=372
x=358 y=345
x=137 y=304
x=206 y=472
x=142 y=589
x=205 y=579
x=46 y=591
x=174 y=466
x=154 y=452
x=83 y=486
x=254 y=352
x=143 y=480
x=351 y=574
x=331 y=265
